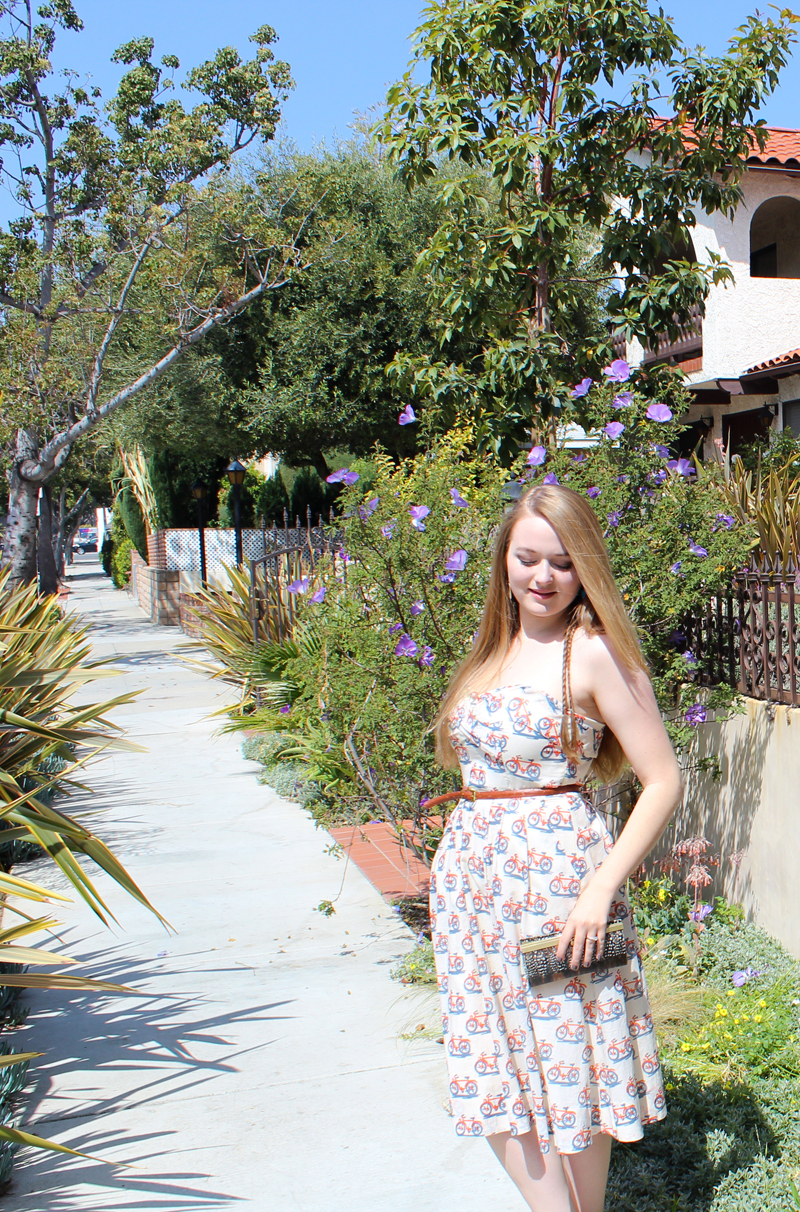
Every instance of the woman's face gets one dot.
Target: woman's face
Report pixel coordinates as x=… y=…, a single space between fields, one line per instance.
x=540 y=573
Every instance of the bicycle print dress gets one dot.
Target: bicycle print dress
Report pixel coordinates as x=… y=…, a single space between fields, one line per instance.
x=571 y=1057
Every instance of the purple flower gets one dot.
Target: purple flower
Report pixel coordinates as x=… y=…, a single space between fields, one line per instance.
x=743 y=976
x=621 y=479
x=395 y=627
x=417 y=608
x=406 y=647
x=407 y=416
x=418 y=513
x=724 y=519
x=658 y=477
x=368 y=508
x=661 y=451
x=426 y=659
x=319 y=596
x=285 y=709
x=623 y=399
x=618 y=372
x=593 y=492
x=550 y=478
x=613 y=518
x=343 y=476
x=580 y=457
x=659 y=412
x=447 y=578
x=344 y=557
x=701 y=913
x=689 y=657
x=682 y=467
x=388 y=530
x=614 y=429
x=457 y=561
x=299 y=586
x=676 y=567
x=537 y=456
x=581 y=389
x=697 y=550
x=696 y=714
x=458 y=499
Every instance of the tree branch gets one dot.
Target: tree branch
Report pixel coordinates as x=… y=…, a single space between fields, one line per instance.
x=40 y=469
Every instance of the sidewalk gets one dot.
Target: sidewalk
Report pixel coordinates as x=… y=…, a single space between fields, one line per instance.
x=260 y=1064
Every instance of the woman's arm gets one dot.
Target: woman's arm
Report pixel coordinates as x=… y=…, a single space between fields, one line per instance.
x=628 y=707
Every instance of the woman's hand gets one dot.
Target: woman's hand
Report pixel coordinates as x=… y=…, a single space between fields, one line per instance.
x=585 y=928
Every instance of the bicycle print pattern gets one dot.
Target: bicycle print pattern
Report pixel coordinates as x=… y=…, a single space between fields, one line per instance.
x=578 y=1055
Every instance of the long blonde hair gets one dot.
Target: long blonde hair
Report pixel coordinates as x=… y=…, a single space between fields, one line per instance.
x=598 y=609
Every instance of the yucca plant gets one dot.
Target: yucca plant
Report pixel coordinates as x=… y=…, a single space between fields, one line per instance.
x=226 y=632
x=45 y=659
x=769 y=497
x=44 y=740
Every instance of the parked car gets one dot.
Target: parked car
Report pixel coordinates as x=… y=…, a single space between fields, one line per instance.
x=85 y=540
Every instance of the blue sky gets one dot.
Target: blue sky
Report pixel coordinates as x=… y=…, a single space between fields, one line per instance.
x=342 y=53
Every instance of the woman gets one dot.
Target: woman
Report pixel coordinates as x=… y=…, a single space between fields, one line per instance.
x=554 y=690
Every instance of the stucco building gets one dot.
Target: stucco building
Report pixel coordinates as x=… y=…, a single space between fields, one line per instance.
x=742 y=359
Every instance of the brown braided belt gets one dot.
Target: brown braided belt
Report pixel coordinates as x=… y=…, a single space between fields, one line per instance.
x=469 y=793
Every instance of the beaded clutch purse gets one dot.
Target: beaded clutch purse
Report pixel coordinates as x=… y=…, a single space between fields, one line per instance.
x=542 y=964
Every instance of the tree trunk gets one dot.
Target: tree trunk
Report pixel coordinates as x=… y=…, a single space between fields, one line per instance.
x=68 y=523
x=19 y=551
x=45 y=557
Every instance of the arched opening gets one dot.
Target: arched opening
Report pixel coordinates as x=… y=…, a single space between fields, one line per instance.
x=775 y=239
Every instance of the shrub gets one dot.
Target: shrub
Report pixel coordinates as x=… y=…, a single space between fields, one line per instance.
x=725 y=949
x=418 y=967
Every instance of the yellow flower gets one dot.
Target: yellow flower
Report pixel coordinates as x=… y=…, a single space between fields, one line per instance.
x=731 y=993
x=707 y=1044
x=728 y=1035
x=685 y=1048
x=757 y=1018
x=662 y=894
x=762 y=1003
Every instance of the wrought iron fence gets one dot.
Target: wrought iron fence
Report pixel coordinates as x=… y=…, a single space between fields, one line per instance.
x=287 y=557
x=750 y=637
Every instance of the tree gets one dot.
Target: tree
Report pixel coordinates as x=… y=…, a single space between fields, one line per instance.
x=516 y=92
x=129 y=236
x=310 y=362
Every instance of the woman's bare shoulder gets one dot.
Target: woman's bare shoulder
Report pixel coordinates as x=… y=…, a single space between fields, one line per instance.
x=600 y=660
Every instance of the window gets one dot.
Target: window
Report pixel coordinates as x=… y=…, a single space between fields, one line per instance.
x=775 y=239
x=791 y=416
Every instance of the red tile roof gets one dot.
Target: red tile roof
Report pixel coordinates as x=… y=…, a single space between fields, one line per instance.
x=782 y=149
x=786 y=359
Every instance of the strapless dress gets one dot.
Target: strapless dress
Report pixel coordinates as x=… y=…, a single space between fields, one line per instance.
x=577 y=1055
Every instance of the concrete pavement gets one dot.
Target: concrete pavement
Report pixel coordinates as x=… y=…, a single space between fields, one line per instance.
x=259 y=1064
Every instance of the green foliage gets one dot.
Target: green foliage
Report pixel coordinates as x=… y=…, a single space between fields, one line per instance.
x=418 y=967
x=311 y=359
x=127 y=509
x=659 y=907
x=252 y=487
x=670 y=547
x=727 y=948
x=370 y=707
x=121 y=563
x=517 y=95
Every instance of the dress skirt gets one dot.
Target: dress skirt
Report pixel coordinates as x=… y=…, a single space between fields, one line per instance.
x=565 y=1059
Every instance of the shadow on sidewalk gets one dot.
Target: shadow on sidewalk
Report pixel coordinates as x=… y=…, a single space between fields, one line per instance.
x=167 y=1047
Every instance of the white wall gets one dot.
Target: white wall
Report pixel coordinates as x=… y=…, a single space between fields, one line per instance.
x=759 y=318
x=754 y=807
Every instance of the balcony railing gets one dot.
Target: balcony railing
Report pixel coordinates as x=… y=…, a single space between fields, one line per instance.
x=688 y=345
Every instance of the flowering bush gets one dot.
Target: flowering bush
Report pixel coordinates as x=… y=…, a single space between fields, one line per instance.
x=671 y=542
x=402 y=600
